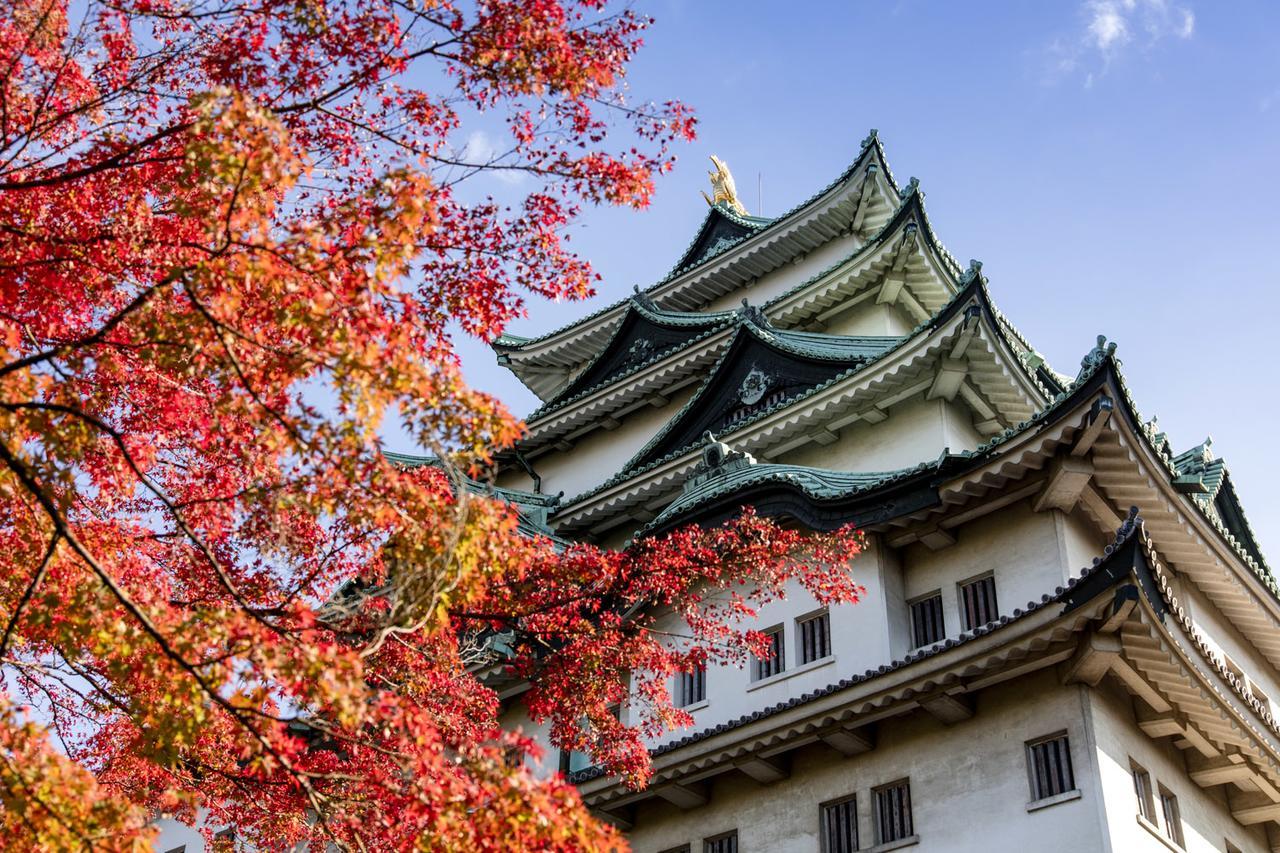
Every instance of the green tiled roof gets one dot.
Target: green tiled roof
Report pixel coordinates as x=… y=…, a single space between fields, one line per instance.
x=709 y=323
x=724 y=472
x=871 y=141
x=531 y=508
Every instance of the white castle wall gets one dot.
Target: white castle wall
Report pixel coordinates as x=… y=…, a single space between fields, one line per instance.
x=969 y=785
x=1206 y=821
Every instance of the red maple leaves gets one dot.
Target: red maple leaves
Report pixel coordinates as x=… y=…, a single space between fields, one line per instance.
x=232 y=243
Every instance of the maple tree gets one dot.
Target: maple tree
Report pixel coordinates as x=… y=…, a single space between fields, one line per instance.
x=215 y=593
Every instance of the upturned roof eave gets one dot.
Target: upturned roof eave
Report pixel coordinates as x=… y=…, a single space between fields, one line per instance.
x=973 y=288
x=1109 y=571
x=512 y=345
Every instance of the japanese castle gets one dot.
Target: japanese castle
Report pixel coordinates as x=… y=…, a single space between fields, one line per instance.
x=1069 y=637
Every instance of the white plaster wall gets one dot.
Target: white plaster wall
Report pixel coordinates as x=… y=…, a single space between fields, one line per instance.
x=915 y=432
x=788 y=275
x=600 y=454
x=969 y=786
x=515 y=718
x=870 y=318
x=1078 y=540
x=1019 y=546
x=861 y=639
x=1224 y=637
x=1206 y=820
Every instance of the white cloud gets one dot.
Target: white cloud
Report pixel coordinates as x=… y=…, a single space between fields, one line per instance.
x=1107 y=25
x=481 y=149
x=1111 y=26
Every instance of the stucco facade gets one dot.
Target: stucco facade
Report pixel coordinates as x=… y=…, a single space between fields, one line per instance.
x=1043 y=576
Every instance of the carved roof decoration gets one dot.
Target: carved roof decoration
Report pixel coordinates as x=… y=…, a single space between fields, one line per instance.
x=762 y=368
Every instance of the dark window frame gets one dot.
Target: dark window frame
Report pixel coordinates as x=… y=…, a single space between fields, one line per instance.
x=841 y=806
x=891 y=811
x=921 y=619
x=725 y=842
x=762 y=668
x=983 y=602
x=691 y=687
x=810 y=643
x=1050 y=770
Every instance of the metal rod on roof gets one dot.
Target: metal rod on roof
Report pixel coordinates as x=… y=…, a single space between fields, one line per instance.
x=759 y=194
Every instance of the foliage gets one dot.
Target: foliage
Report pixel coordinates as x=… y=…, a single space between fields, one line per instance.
x=214 y=214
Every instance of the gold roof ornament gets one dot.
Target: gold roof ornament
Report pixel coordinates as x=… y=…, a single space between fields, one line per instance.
x=722 y=187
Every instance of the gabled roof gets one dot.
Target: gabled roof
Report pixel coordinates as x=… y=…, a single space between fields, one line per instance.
x=532 y=508
x=1206 y=479
x=705 y=271
x=762 y=368
x=722 y=228
x=646 y=335
x=970 y=303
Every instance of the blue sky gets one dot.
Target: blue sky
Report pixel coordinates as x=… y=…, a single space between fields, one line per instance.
x=1113 y=163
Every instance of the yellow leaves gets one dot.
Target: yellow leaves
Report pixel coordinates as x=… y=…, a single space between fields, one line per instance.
x=240 y=162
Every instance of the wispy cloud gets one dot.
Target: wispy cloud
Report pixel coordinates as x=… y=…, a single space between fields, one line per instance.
x=1112 y=26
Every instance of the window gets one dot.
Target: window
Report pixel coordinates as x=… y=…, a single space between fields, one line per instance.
x=775 y=662
x=726 y=843
x=893 y=812
x=1172 y=818
x=926 y=621
x=840 y=826
x=1142 y=789
x=1049 y=765
x=683 y=848
x=691 y=687
x=978 y=602
x=815 y=637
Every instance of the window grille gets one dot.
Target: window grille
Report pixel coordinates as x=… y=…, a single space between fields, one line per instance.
x=1172 y=818
x=927 y=626
x=840 y=826
x=775 y=662
x=815 y=637
x=726 y=843
x=1049 y=763
x=1142 y=789
x=893 y=812
x=978 y=602
x=691 y=687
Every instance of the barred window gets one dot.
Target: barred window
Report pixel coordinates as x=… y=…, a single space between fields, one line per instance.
x=815 y=637
x=725 y=843
x=1172 y=817
x=840 y=826
x=893 y=812
x=691 y=687
x=775 y=662
x=1049 y=764
x=927 y=626
x=1142 y=790
x=978 y=602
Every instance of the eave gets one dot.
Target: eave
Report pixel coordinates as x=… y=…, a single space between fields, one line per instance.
x=929 y=282
x=994 y=388
x=843 y=714
x=860 y=198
